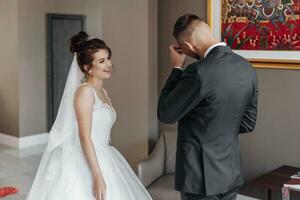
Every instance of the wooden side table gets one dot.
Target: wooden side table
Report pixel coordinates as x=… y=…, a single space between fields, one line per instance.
x=274 y=180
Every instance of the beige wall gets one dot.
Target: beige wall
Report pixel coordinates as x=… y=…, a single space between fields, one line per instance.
x=23 y=61
x=126 y=30
x=152 y=72
x=32 y=54
x=275 y=141
x=9 y=88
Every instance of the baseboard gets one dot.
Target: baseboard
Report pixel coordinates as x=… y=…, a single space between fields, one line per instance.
x=23 y=142
x=9 y=140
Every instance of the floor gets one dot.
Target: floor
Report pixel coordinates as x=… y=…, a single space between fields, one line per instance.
x=18 y=168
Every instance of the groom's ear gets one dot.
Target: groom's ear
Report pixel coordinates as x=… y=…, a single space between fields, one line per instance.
x=189 y=46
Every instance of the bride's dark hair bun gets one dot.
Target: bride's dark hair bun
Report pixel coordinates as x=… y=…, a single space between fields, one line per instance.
x=78 y=41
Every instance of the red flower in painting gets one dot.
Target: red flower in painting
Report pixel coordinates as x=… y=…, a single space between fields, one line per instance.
x=290 y=43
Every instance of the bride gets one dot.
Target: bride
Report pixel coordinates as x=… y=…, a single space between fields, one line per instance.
x=79 y=162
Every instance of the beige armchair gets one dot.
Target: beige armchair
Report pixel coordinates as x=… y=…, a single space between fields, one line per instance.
x=157 y=172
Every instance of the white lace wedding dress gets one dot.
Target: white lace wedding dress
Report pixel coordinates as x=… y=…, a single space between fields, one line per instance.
x=76 y=183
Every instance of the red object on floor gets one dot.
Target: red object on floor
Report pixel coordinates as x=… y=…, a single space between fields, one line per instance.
x=4 y=191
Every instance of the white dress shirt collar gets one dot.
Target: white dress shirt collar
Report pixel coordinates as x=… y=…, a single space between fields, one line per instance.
x=213 y=46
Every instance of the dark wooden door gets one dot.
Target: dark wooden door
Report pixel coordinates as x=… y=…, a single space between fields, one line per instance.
x=60 y=29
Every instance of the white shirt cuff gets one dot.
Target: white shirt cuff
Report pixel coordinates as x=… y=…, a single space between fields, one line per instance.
x=178 y=68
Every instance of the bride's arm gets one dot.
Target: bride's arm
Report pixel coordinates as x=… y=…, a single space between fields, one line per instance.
x=84 y=101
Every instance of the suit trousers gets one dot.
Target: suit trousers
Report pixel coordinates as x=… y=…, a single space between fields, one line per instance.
x=231 y=195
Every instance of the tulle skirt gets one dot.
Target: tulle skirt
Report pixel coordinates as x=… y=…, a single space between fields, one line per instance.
x=69 y=178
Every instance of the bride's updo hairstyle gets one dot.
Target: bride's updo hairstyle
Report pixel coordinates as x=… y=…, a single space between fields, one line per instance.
x=85 y=49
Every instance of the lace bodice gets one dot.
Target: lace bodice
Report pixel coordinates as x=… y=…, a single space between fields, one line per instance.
x=104 y=117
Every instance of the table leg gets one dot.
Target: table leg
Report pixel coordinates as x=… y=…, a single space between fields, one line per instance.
x=269 y=194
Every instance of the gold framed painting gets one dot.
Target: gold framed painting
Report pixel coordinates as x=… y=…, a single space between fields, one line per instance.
x=266 y=32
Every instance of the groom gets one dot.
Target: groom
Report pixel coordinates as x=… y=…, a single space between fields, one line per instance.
x=213 y=99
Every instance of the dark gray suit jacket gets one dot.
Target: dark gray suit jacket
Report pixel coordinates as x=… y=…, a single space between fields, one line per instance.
x=213 y=100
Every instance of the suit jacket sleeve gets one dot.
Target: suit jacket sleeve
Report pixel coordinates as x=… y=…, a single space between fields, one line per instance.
x=249 y=118
x=180 y=95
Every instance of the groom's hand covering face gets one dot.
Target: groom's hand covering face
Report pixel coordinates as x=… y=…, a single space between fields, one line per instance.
x=177 y=55
x=178 y=49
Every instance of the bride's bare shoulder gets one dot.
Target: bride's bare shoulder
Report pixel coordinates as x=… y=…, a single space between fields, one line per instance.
x=84 y=93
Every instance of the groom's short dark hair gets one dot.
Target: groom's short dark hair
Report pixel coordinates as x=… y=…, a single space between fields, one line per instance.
x=183 y=23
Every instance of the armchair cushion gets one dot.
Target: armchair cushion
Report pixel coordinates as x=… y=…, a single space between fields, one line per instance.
x=163 y=189
x=152 y=168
